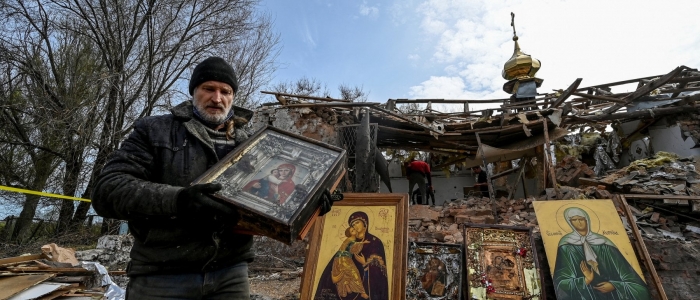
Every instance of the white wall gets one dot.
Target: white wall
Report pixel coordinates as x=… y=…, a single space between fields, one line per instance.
x=668 y=137
x=450 y=188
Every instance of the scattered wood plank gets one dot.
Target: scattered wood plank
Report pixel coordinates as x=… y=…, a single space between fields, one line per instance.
x=13 y=285
x=20 y=259
x=642 y=248
x=567 y=93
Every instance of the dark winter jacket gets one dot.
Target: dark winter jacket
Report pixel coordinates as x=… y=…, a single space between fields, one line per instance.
x=140 y=183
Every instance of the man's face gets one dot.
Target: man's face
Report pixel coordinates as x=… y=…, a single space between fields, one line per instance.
x=360 y=228
x=213 y=100
x=477 y=170
x=579 y=223
x=284 y=173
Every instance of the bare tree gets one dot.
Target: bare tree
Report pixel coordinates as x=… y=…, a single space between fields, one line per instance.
x=313 y=87
x=355 y=94
x=303 y=86
x=134 y=54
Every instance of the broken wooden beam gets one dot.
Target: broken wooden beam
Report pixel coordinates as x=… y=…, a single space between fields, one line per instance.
x=567 y=93
x=647 y=113
x=597 y=97
x=646 y=89
x=333 y=104
x=304 y=97
x=548 y=158
x=642 y=249
x=20 y=259
x=504 y=173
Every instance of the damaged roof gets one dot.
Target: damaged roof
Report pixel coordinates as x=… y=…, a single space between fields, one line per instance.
x=516 y=121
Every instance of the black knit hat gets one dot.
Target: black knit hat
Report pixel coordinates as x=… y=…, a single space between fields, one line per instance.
x=216 y=69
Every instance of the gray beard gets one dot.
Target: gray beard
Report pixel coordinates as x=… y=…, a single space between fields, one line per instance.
x=214 y=119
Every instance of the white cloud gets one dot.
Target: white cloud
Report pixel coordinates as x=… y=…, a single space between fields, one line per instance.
x=599 y=41
x=308 y=36
x=366 y=10
x=413 y=57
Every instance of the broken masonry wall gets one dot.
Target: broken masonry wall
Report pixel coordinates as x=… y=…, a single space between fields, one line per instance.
x=315 y=123
x=678 y=266
x=667 y=135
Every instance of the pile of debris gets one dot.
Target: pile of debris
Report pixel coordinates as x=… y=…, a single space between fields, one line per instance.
x=656 y=222
x=444 y=224
x=570 y=169
x=56 y=274
x=663 y=174
x=573 y=193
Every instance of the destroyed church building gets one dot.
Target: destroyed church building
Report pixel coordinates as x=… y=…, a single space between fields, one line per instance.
x=638 y=147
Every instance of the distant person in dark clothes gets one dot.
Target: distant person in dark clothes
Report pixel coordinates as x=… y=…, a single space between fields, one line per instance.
x=417 y=171
x=416 y=196
x=431 y=194
x=481 y=181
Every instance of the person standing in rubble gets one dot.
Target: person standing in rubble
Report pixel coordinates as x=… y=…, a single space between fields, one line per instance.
x=417 y=171
x=185 y=245
x=481 y=181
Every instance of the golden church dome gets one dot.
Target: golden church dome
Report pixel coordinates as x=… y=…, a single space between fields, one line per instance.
x=520 y=65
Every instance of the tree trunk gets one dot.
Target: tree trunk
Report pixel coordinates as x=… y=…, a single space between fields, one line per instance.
x=70 y=185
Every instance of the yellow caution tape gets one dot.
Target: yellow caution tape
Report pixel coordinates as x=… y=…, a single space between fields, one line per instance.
x=11 y=189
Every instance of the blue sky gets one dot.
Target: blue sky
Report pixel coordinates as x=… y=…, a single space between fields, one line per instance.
x=456 y=49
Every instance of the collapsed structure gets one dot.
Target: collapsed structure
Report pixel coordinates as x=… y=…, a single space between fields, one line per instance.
x=574 y=143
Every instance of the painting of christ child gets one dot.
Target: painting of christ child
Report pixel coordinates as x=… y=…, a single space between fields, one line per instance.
x=276 y=182
x=344 y=272
x=435 y=277
x=434 y=271
x=358 y=269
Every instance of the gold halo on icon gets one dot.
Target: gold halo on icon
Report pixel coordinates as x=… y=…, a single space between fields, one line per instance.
x=564 y=225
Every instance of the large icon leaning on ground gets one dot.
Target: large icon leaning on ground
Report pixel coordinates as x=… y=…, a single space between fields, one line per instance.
x=589 y=253
x=358 y=250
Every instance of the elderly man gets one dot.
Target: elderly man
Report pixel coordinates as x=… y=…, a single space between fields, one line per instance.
x=184 y=245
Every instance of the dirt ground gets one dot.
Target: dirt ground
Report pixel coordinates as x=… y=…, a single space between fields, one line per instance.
x=284 y=284
x=276 y=271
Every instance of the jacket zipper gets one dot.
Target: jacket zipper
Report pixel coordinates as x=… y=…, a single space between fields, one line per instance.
x=215 y=238
x=186 y=156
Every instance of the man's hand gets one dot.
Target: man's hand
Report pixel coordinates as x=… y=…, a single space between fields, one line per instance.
x=194 y=201
x=327 y=200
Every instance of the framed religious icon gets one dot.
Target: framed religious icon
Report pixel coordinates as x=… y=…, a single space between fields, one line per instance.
x=358 y=249
x=501 y=263
x=434 y=271
x=589 y=253
x=276 y=178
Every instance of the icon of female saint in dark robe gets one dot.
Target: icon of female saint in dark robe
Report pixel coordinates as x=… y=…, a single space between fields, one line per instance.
x=590 y=266
x=370 y=261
